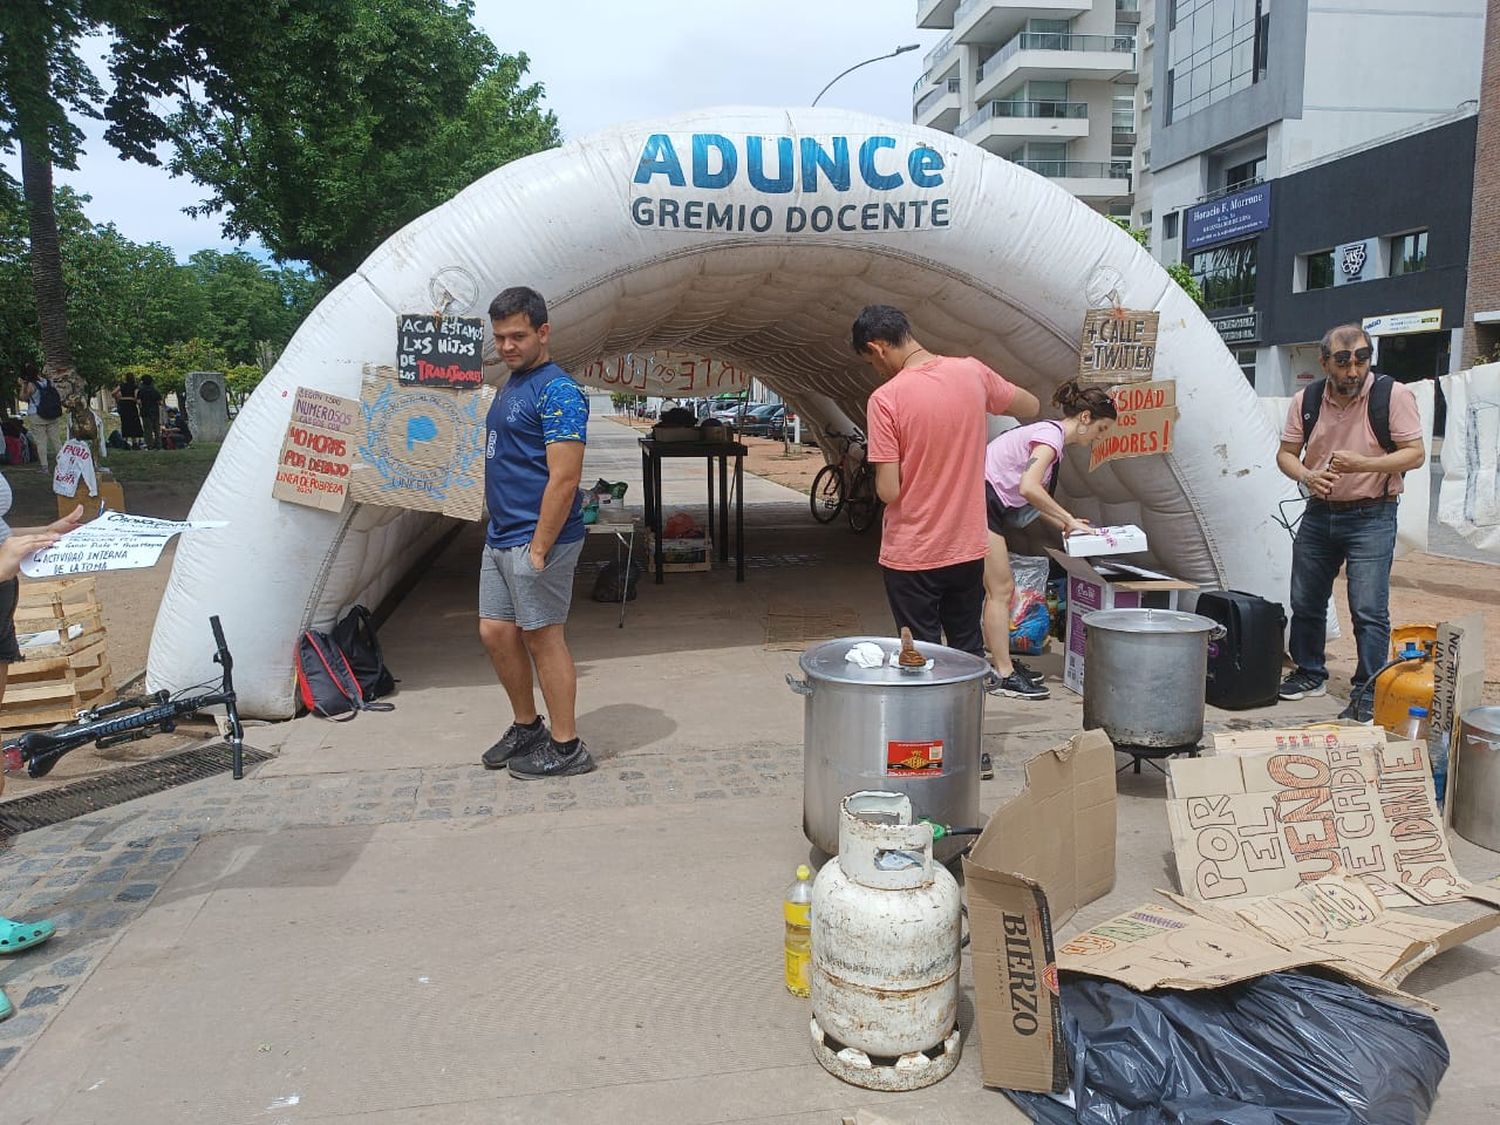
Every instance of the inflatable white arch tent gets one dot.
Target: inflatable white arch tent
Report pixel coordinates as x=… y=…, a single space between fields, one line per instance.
x=756 y=235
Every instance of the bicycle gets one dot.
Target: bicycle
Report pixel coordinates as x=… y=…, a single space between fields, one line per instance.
x=838 y=488
x=106 y=725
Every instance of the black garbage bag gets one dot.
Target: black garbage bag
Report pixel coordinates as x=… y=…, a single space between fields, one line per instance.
x=607 y=585
x=1284 y=1049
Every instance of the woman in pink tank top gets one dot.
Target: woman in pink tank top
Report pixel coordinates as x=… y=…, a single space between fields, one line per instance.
x=1020 y=472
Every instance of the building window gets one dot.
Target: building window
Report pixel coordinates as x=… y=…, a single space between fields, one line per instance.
x=1247 y=172
x=1245 y=357
x=1145 y=160
x=1215 y=48
x=1226 y=274
x=1169 y=226
x=1120 y=211
x=1146 y=97
x=1319 y=270
x=1409 y=253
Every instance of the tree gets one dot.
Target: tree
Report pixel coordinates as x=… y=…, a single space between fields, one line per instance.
x=358 y=122
x=1177 y=271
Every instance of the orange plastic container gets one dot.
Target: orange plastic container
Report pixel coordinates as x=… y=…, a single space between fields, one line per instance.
x=1409 y=684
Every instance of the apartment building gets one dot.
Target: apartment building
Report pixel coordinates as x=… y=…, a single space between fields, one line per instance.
x=1049 y=84
x=1314 y=163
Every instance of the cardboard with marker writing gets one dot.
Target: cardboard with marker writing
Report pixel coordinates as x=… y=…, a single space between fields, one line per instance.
x=1118 y=346
x=317 y=453
x=1147 y=418
x=420 y=448
x=440 y=351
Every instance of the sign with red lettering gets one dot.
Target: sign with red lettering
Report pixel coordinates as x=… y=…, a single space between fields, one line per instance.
x=1147 y=417
x=440 y=351
x=318 y=451
x=1118 y=346
x=1258 y=824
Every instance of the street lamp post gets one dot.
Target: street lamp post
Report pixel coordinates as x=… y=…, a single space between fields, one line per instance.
x=867 y=62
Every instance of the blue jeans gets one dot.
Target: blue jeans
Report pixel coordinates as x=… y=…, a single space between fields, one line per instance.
x=1364 y=539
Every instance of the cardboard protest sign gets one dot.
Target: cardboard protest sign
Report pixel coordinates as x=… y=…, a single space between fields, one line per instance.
x=665 y=372
x=1457 y=671
x=1118 y=346
x=1147 y=416
x=1335 y=922
x=420 y=448
x=75 y=466
x=114 y=541
x=1052 y=843
x=440 y=351
x=1286 y=739
x=1259 y=823
x=318 y=451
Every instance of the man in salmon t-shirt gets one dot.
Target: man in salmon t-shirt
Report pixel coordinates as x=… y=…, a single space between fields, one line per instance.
x=927 y=435
x=1353 y=482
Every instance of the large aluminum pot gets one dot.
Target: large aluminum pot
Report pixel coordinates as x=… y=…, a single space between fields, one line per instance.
x=1144 y=673
x=1476 y=778
x=870 y=728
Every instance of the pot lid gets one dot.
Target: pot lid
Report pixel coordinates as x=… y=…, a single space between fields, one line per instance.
x=946 y=665
x=1148 y=621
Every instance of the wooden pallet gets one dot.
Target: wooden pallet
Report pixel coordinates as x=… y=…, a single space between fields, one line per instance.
x=57 y=680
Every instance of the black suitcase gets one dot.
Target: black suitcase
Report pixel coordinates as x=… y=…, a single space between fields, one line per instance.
x=1244 y=668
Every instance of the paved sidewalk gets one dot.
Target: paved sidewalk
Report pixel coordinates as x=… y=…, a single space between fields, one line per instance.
x=371 y=927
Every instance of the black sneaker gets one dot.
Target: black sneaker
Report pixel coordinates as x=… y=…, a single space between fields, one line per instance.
x=1017 y=686
x=1028 y=673
x=553 y=759
x=1302 y=685
x=514 y=743
x=1362 y=712
x=986 y=767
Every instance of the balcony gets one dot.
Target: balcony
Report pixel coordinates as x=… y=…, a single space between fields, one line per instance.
x=1035 y=56
x=933 y=14
x=1003 y=127
x=942 y=59
x=995 y=21
x=1087 y=179
x=938 y=109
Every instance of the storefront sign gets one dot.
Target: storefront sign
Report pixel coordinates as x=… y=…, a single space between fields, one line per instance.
x=1237 y=328
x=1148 y=414
x=1356 y=261
x=317 y=452
x=1118 y=346
x=1400 y=324
x=440 y=351
x=1231 y=216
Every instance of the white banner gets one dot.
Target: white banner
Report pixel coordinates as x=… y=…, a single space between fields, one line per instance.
x=114 y=541
x=1469 y=499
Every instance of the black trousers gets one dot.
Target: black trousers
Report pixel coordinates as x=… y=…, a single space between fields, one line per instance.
x=946 y=602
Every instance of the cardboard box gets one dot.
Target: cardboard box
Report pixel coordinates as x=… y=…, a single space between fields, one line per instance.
x=1045 y=853
x=1107 y=586
x=1120 y=539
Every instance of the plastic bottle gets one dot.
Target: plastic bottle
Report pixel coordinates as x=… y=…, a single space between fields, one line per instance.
x=1437 y=750
x=796 y=910
x=1416 y=724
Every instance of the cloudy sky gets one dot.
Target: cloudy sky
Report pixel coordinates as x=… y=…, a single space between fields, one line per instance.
x=604 y=62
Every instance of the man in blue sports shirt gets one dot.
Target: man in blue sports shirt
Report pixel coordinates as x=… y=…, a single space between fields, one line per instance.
x=533 y=463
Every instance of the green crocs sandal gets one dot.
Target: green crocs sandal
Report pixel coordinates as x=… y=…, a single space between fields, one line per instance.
x=16 y=936
x=6 y=1010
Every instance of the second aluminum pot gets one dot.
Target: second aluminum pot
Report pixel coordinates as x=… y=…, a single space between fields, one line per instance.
x=883 y=728
x=1144 y=673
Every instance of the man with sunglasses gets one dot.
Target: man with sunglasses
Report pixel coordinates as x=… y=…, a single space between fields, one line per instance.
x=1353 y=480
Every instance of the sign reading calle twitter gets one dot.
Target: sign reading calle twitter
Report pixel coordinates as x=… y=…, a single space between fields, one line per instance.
x=698 y=182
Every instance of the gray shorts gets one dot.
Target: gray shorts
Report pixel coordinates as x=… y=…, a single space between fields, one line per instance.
x=510 y=590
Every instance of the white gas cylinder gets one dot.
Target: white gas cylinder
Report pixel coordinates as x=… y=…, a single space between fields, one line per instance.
x=885 y=951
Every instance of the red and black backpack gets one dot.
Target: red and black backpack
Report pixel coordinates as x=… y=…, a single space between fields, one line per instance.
x=326 y=684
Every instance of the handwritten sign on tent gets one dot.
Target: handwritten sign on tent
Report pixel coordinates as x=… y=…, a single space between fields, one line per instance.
x=1117 y=348
x=1148 y=415
x=1257 y=824
x=440 y=351
x=318 y=451
x=420 y=448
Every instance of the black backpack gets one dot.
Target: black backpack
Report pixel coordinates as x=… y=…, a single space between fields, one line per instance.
x=1378 y=406
x=326 y=684
x=49 y=405
x=355 y=637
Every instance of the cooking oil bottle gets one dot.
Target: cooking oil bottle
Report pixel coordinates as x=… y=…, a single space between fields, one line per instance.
x=796 y=910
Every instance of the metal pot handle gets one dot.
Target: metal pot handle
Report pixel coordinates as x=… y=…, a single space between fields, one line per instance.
x=801 y=687
x=992 y=682
x=1218 y=633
